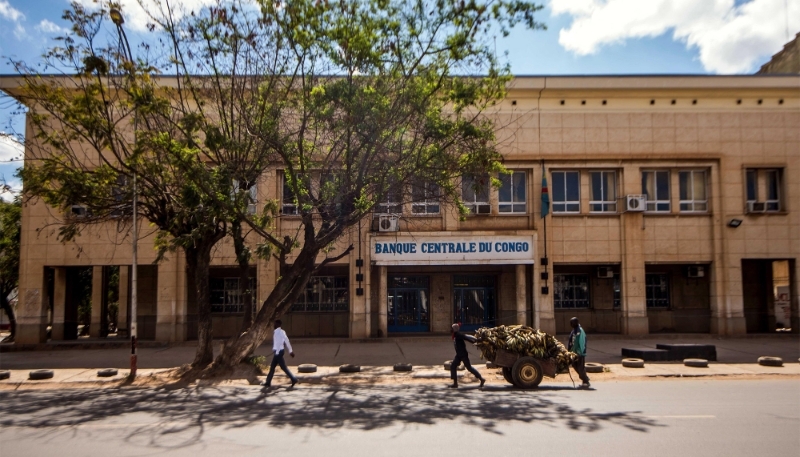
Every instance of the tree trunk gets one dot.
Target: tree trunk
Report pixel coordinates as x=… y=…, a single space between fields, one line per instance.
x=286 y=291
x=198 y=260
x=12 y=318
x=243 y=258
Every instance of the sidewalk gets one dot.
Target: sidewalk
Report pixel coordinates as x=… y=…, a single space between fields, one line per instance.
x=78 y=367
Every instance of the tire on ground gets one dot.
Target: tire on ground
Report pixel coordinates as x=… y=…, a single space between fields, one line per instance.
x=633 y=363
x=507 y=375
x=40 y=374
x=108 y=372
x=527 y=373
x=5 y=374
x=770 y=361
x=402 y=367
x=697 y=363
x=447 y=364
x=348 y=368
x=307 y=368
x=592 y=367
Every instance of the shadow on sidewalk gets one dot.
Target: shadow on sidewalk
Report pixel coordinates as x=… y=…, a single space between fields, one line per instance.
x=184 y=413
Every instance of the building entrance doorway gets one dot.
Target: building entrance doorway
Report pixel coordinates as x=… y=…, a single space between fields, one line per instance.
x=474 y=301
x=767 y=295
x=409 y=307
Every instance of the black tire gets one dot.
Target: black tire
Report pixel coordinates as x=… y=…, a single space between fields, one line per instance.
x=347 y=368
x=592 y=367
x=527 y=373
x=40 y=374
x=107 y=373
x=5 y=374
x=307 y=368
x=507 y=375
x=770 y=361
x=633 y=363
x=696 y=363
x=402 y=367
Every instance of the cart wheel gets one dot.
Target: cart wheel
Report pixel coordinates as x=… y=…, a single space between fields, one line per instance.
x=507 y=375
x=527 y=373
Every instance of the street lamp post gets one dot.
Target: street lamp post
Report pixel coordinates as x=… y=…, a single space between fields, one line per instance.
x=117 y=19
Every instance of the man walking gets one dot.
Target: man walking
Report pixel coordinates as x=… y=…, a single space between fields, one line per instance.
x=279 y=340
x=459 y=341
x=577 y=344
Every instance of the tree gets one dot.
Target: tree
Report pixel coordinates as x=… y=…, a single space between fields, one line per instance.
x=356 y=103
x=10 y=222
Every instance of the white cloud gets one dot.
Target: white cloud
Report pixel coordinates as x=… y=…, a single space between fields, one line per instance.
x=50 y=27
x=137 y=18
x=10 y=149
x=730 y=38
x=9 y=12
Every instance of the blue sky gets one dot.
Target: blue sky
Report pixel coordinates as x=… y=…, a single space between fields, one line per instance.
x=583 y=37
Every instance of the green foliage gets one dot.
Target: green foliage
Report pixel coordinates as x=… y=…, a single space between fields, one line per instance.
x=10 y=231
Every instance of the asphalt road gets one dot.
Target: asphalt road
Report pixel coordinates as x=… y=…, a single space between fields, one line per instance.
x=674 y=417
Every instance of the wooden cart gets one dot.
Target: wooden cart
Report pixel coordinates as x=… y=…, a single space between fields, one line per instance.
x=525 y=372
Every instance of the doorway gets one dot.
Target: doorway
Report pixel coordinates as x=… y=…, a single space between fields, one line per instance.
x=474 y=301
x=766 y=295
x=409 y=307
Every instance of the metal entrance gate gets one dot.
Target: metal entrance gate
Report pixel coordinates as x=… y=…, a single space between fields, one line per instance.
x=474 y=301
x=409 y=309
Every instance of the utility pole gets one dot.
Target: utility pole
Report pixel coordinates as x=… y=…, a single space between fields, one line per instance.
x=125 y=47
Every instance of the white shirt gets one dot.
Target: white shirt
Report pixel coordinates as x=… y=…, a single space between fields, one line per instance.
x=279 y=338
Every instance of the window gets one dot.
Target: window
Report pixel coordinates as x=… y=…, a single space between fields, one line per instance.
x=252 y=194
x=604 y=192
x=425 y=198
x=763 y=187
x=566 y=192
x=655 y=185
x=289 y=204
x=571 y=291
x=324 y=294
x=513 y=191
x=225 y=296
x=475 y=193
x=392 y=203
x=693 y=196
x=656 y=290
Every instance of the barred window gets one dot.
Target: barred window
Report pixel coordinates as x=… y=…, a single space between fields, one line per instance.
x=324 y=294
x=225 y=297
x=656 y=290
x=571 y=291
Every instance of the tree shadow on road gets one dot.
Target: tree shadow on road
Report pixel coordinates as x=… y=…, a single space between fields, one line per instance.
x=184 y=413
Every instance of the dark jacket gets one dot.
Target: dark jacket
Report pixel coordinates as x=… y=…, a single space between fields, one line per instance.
x=460 y=343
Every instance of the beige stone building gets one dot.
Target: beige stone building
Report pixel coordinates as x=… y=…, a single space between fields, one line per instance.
x=674 y=206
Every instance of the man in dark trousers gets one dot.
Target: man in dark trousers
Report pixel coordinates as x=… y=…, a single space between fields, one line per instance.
x=577 y=344
x=279 y=340
x=459 y=341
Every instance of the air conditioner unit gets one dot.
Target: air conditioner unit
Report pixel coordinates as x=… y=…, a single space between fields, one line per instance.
x=79 y=211
x=251 y=208
x=636 y=202
x=696 y=272
x=388 y=223
x=756 y=207
x=605 y=272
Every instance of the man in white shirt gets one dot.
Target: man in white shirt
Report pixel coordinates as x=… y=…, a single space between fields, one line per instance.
x=279 y=340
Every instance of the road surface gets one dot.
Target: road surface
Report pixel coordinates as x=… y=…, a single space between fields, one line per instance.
x=633 y=418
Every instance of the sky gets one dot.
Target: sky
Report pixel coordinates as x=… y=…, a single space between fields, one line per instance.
x=582 y=37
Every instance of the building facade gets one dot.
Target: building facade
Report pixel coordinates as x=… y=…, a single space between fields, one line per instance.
x=674 y=206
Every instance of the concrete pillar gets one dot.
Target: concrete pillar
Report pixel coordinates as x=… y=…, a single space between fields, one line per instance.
x=124 y=293
x=383 y=303
x=97 y=302
x=359 y=304
x=167 y=301
x=59 y=302
x=33 y=305
x=632 y=275
x=522 y=315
